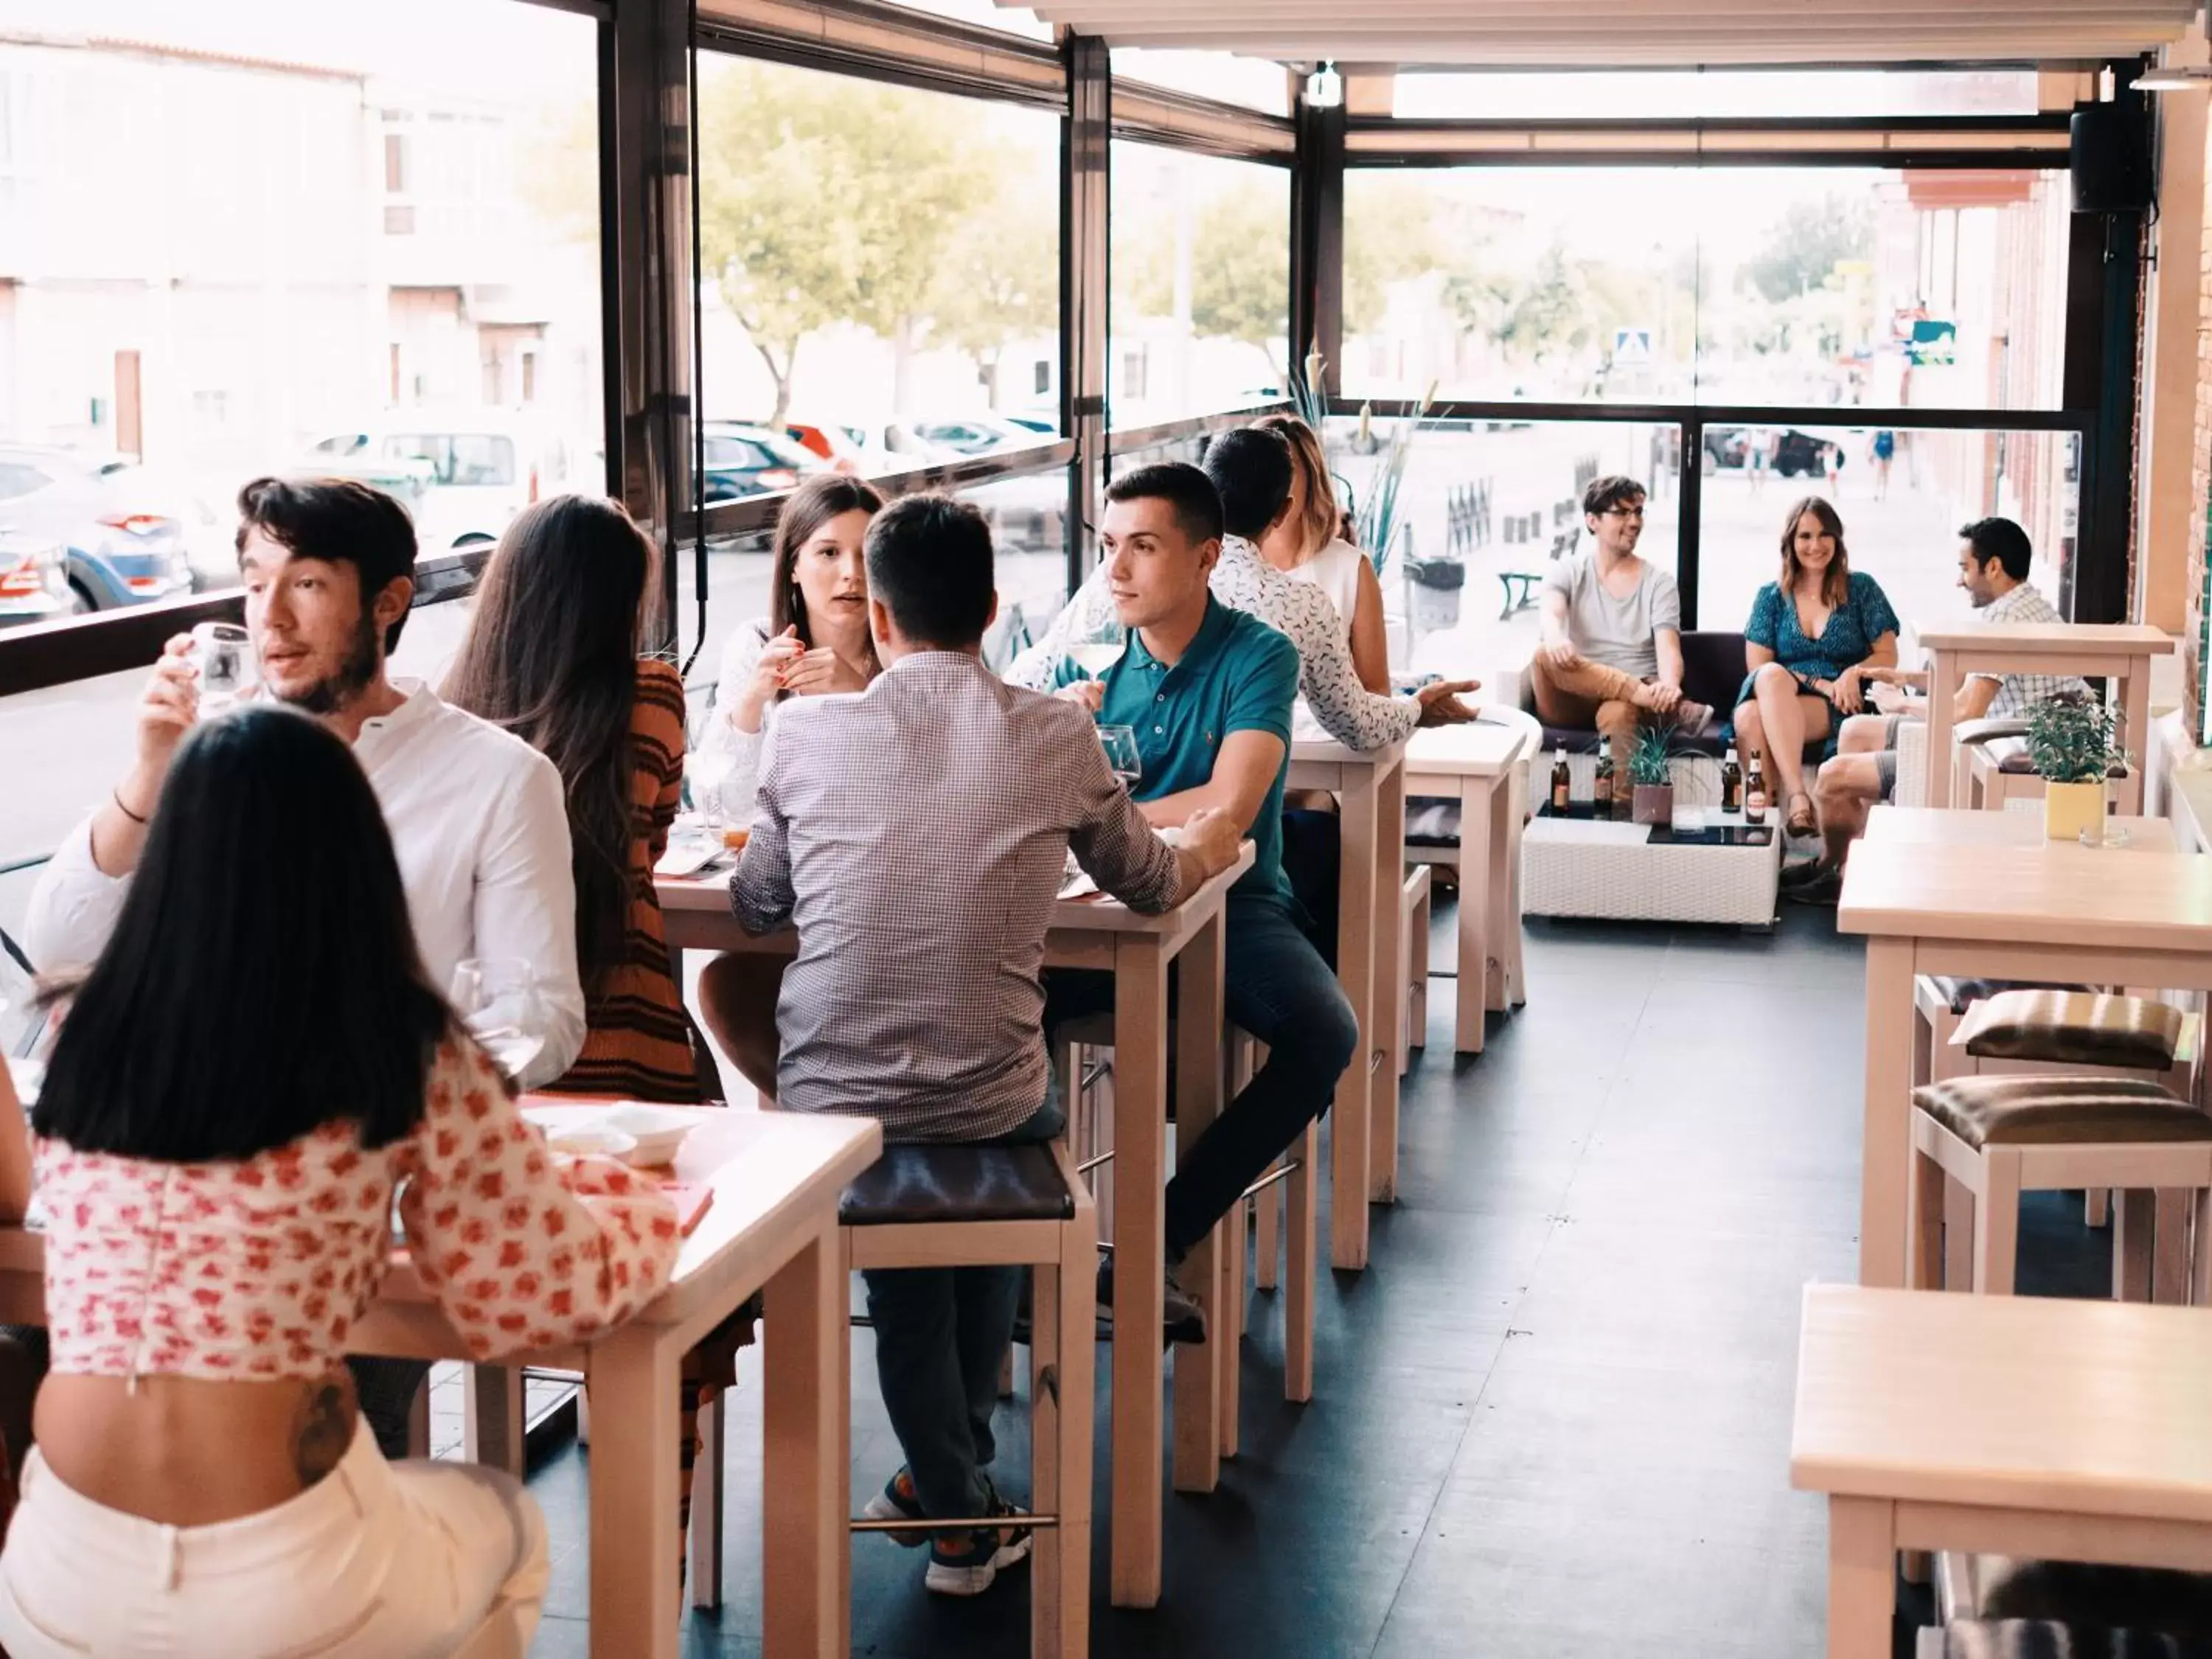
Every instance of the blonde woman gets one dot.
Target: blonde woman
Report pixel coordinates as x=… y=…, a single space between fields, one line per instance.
x=1306 y=544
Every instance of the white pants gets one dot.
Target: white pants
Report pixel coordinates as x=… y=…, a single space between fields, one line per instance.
x=376 y=1560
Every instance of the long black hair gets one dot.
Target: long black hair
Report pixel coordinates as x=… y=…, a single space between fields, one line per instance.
x=551 y=656
x=262 y=978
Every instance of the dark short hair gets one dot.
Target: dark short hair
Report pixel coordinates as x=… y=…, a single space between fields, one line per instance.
x=1612 y=490
x=2002 y=540
x=337 y=519
x=930 y=562
x=1189 y=492
x=1251 y=468
x=260 y=982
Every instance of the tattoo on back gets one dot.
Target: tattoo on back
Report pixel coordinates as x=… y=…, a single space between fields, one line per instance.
x=323 y=1428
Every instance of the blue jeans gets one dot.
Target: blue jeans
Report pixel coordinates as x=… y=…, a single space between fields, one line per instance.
x=941 y=1333
x=1278 y=989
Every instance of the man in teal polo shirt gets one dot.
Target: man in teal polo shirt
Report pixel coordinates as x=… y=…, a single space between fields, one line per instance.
x=1209 y=689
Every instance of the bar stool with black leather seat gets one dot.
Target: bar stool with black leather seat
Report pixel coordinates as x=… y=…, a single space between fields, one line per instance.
x=966 y=1205
x=1999 y=1136
x=1997 y=1607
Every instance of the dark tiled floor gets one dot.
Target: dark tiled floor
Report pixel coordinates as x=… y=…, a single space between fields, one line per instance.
x=1551 y=1420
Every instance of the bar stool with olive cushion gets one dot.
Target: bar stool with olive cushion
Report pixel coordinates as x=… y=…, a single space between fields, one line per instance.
x=1999 y=1136
x=1997 y=1606
x=985 y=1207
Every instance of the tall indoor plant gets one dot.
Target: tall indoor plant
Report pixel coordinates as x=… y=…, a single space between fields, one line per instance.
x=2070 y=742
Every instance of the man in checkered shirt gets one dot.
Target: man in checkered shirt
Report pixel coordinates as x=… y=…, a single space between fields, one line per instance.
x=1994 y=556
x=917 y=833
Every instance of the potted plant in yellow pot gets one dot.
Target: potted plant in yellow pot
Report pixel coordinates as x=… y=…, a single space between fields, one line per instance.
x=2070 y=741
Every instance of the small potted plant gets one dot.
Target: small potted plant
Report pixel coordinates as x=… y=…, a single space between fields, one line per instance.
x=2070 y=741
x=1651 y=776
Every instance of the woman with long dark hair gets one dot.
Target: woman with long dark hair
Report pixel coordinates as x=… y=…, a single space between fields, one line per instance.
x=814 y=639
x=1308 y=545
x=1812 y=636
x=253 y=1064
x=552 y=656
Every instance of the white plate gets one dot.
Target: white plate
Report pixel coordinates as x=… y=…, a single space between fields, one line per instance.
x=656 y=1131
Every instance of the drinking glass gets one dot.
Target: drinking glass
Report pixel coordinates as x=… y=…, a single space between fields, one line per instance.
x=1097 y=652
x=223 y=654
x=499 y=1000
x=1120 y=743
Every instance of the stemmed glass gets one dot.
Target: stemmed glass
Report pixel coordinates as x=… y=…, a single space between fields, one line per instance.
x=1097 y=652
x=499 y=1000
x=1120 y=743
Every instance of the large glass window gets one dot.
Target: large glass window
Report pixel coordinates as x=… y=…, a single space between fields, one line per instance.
x=1791 y=287
x=1689 y=94
x=879 y=292
x=1201 y=283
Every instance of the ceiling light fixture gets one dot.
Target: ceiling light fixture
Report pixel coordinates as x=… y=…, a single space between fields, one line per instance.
x=1324 y=87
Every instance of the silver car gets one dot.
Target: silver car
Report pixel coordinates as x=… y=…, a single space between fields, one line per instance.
x=123 y=546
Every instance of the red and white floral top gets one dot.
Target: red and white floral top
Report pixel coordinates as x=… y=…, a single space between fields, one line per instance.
x=259 y=1269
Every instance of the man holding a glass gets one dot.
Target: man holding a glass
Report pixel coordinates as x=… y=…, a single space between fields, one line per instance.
x=477 y=816
x=1205 y=692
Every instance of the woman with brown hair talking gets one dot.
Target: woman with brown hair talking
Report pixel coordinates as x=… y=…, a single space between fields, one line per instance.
x=814 y=641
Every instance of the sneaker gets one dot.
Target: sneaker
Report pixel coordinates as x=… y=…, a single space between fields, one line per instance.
x=1803 y=872
x=967 y=1563
x=898 y=1501
x=1182 y=1320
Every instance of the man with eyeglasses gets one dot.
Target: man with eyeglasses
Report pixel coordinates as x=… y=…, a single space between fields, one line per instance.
x=1612 y=652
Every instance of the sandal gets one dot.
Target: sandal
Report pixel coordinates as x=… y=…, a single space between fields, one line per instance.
x=1806 y=823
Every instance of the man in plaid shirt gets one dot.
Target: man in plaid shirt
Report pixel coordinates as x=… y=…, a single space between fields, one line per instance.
x=1994 y=558
x=916 y=834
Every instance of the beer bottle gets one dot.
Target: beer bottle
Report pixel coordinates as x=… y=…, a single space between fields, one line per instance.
x=1754 y=793
x=1563 y=786
x=1601 y=795
x=1731 y=783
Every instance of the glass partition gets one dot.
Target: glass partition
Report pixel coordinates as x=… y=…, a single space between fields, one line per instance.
x=1201 y=283
x=404 y=289
x=880 y=280
x=1791 y=287
x=1902 y=495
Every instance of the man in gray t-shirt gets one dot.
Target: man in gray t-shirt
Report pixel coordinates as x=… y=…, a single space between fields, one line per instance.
x=1612 y=650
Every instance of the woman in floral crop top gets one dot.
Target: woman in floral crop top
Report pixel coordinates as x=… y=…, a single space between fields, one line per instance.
x=251 y=1071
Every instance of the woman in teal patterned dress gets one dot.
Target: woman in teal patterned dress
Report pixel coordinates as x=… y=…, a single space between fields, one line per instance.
x=1811 y=638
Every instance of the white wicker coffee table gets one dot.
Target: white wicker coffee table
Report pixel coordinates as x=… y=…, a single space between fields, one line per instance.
x=1580 y=866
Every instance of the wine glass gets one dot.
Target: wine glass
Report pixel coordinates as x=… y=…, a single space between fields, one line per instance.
x=1120 y=743
x=223 y=654
x=1097 y=652
x=499 y=1000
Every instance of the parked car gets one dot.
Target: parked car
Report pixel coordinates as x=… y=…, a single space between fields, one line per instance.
x=462 y=474
x=744 y=460
x=833 y=444
x=34 y=585
x=977 y=435
x=123 y=540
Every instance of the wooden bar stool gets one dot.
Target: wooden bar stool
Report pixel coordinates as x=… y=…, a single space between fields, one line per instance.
x=983 y=1207
x=1285 y=1201
x=1413 y=959
x=1999 y=1136
x=1999 y=772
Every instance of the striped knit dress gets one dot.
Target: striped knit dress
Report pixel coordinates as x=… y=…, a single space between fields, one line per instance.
x=637 y=1037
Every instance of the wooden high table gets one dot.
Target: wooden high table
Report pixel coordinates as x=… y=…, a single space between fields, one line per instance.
x=1370 y=788
x=772 y=1226
x=2115 y=651
x=1962 y=904
x=1479 y=765
x=1098 y=932
x=2007 y=1425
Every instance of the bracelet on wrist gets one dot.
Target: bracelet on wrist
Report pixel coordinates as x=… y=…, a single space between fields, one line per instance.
x=116 y=796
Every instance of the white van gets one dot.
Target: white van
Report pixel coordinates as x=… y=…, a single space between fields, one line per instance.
x=461 y=475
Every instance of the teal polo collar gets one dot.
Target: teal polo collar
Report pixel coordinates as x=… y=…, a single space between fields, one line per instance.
x=1211 y=632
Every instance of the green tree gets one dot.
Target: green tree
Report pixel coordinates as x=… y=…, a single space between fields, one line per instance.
x=826 y=200
x=1804 y=247
x=1391 y=234
x=1552 y=311
x=1240 y=265
x=1000 y=284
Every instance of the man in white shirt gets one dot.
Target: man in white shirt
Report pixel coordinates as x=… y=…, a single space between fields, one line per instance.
x=478 y=818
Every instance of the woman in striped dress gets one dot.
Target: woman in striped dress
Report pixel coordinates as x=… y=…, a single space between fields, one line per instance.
x=552 y=656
